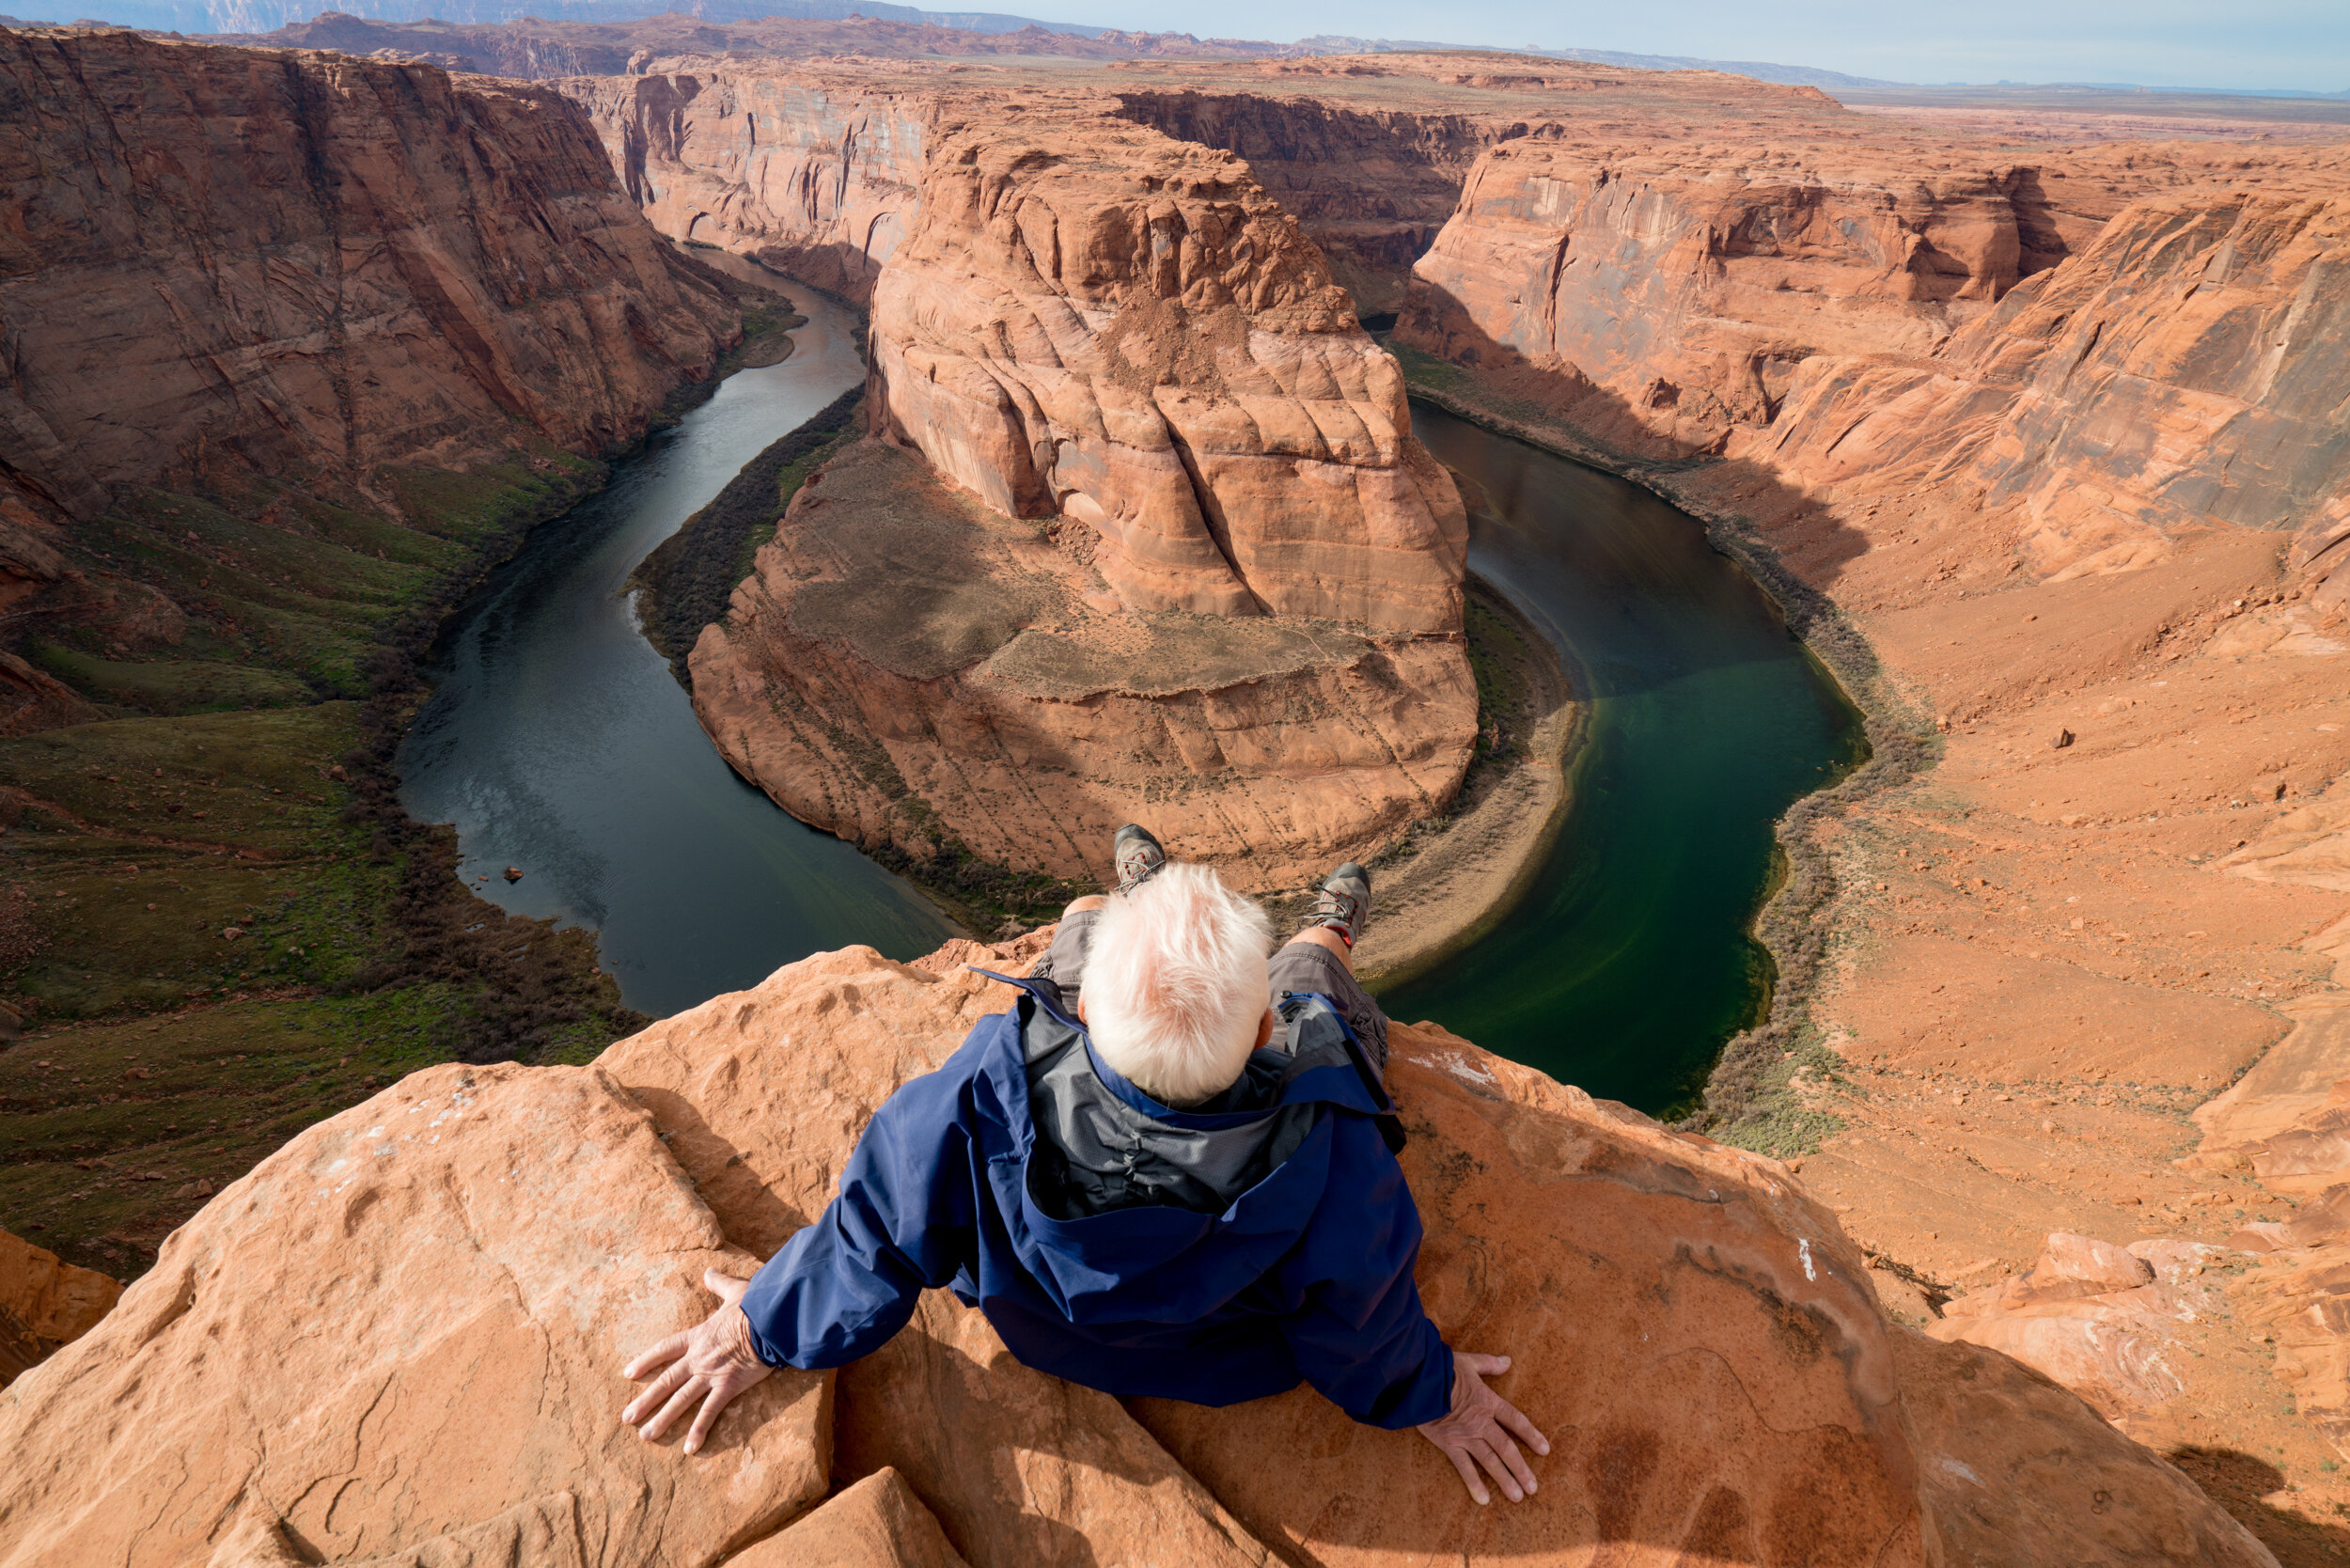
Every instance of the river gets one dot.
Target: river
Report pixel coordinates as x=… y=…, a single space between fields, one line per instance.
x=1629 y=965
x=557 y=741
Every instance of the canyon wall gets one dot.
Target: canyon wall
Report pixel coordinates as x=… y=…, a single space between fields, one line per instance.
x=2184 y=369
x=820 y=182
x=233 y=263
x=488 y=1244
x=1664 y=306
x=2106 y=352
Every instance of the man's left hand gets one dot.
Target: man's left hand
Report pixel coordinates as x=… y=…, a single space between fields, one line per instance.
x=711 y=1362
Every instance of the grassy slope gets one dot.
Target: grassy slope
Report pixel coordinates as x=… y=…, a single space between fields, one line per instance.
x=243 y=782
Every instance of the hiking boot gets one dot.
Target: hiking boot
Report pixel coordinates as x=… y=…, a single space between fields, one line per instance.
x=1343 y=902
x=1137 y=855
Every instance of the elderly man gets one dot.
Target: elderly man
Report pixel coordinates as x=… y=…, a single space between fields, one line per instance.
x=1151 y=1182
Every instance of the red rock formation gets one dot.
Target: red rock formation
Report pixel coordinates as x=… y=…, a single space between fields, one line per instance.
x=400 y=1331
x=2100 y=1319
x=227 y=261
x=1371 y=185
x=908 y=667
x=401 y=1335
x=877 y=1523
x=1651 y=298
x=407 y=1329
x=44 y=1303
x=2179 y=371
x=1107 y=325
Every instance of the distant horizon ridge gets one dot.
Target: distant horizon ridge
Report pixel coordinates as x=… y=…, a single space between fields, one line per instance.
x=249 y=16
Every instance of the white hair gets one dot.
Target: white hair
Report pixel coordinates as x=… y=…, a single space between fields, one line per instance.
x=1175 y=984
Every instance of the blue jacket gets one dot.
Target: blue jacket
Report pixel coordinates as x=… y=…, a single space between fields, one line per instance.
x=1307 y=1273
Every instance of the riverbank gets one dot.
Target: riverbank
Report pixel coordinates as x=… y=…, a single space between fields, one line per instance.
x=1449 y=881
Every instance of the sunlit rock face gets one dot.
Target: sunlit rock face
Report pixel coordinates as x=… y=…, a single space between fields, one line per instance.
x=818 y=181
x=398 y=1340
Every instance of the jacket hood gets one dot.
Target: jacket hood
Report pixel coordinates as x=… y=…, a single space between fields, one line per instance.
x=1128 y=1211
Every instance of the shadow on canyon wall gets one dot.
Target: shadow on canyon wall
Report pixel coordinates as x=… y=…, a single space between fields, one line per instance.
x=1562 y=407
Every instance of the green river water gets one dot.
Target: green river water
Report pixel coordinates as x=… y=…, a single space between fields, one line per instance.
x=1629 y=965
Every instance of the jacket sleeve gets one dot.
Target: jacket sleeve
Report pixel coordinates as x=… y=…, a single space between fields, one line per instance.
x=1360 y=1336
x=901 y=1222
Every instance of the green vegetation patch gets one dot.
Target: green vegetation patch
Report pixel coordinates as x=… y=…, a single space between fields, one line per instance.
x=217 y=925
x=688 y=579
x=275 y=596
x=170 y=685
x=214 y=938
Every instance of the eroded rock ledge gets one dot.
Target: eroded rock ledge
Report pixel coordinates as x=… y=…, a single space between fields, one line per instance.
x=397 y=1341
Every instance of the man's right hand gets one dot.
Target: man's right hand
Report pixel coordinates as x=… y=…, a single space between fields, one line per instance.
x=706 y=1367
x=1477 y=1431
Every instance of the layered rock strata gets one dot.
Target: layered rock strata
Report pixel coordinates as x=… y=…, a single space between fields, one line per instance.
x=1701 y=1339
x=1107 y=326
x=1371 y=185
x=236 y=261
x=2098 y=379
x=814 y=179
x=911 y=669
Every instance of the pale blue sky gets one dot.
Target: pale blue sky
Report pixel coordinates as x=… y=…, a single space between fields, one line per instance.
x=2239 y=43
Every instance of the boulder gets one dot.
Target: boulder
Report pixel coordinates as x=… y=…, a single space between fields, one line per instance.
x=2070 y=1260
x=406 y=1327
x=877 y=1523
x=44 y=1303
x=2090 y=1315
